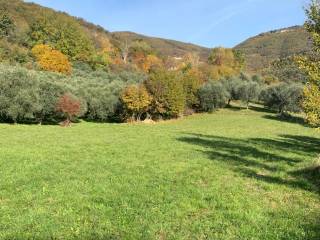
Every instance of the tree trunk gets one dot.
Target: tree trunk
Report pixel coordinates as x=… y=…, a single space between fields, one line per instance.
x=139 y=117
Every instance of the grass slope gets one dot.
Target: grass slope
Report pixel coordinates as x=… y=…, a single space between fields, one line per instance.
x=228 y=175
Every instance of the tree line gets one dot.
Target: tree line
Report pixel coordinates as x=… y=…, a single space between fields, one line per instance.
x=38 y=96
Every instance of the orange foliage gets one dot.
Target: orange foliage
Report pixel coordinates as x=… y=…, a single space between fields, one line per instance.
x=51 y=60
x=150 y=62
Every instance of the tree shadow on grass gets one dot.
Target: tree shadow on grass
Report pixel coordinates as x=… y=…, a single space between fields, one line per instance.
x=273 y=161
x=258 y=108
x=288 y=119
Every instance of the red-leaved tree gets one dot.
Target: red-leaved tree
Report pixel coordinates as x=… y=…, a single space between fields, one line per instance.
x=69 y=106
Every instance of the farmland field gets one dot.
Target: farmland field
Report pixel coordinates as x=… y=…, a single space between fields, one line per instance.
x=228 y=175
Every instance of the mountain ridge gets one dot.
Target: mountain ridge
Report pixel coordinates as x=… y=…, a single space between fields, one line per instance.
x=261 y=50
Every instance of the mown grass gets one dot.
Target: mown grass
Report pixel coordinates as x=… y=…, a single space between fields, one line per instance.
x=228 y=175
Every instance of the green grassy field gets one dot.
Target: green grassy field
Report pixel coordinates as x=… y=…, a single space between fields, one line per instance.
x=228 y=175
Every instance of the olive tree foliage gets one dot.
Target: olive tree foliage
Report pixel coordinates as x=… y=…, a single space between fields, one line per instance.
x=284 y=98
x=249 y=92
x=232 y=86
x=19 y=95
x=101 y=91
x=27 y=95
x=213 y=95
x=49 y=93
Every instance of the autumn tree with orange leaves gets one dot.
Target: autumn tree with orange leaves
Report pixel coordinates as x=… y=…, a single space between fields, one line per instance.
x=51 y=60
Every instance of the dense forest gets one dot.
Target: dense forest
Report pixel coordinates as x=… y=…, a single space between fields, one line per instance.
x=56 y=67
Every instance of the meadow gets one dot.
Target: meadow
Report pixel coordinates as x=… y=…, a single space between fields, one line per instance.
x=233 y=174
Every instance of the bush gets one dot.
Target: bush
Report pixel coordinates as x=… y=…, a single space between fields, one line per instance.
x=249 y=91
x=27 y=95
x=19 y=94
x=232 y=86
x=284 y=97
x=213 y=95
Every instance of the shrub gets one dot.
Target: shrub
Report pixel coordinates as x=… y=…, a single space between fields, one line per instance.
x=19 y=94
x=50 y=89
x=249 y=91
x=212 y=95
x=283 y=97
x=232 y=86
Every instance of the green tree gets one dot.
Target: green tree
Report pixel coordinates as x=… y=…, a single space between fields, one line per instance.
x=232 y=86
x=191 y=84
x=7 y=25
x=63 y=34
x=213 y=95
x=249 y=92
x=284 y=97
x=166 y=88
x=19 y=94
x=49 y=92
x=286 y=70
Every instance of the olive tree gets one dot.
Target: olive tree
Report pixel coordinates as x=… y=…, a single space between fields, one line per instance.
x=213 y=95
x=284 y=97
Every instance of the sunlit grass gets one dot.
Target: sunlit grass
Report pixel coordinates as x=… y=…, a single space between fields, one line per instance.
x=228 y=175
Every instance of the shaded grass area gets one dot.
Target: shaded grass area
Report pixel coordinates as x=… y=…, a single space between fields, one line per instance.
x=227 y=175
x=264 y=159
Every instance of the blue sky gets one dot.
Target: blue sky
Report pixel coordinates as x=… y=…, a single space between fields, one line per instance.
x=204 y=22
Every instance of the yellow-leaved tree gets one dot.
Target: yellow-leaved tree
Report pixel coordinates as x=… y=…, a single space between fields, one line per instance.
x=51 y=60
x=311 y=65
x=151 y=61
x=225 y=62
x=136 y=101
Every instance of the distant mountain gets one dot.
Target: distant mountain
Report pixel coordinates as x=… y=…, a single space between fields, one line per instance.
x=261 y=50
x=165 y=47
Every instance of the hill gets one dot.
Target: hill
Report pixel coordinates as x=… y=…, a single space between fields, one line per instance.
x=165 y=47
x=261 y=50
x=24 y=15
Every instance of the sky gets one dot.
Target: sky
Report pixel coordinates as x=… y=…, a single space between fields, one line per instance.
x=208 y=23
